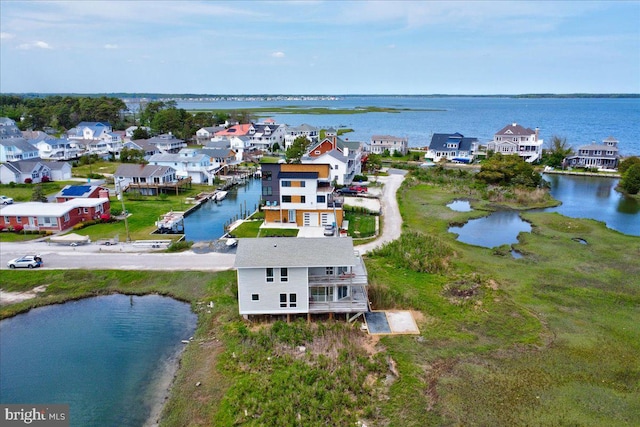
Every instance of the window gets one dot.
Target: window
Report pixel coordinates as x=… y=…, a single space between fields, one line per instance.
x=286 y=183
x=66 y=217
x=303 y=183
x=255 y=297
x=320 y=199
x=284 y=275
x=283 y=300
x=269 y=274
x=293 y=300
x=266 y=176
x=267 y=191
x=303 y=199
x=286 y=199
x=328 y=271
x=19 y=219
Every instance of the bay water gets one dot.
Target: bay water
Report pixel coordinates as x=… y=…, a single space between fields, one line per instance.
x=111 y=358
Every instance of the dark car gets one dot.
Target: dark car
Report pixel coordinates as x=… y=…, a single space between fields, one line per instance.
x=347 y=191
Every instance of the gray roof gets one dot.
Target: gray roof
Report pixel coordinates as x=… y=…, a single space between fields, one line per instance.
x=515 y=129
x=26 y=166
x=131 y=170
x=600 y=147
x=9 y=129
x=19 y=143
x=176 y=158
x=295 y=252
x=218 y=153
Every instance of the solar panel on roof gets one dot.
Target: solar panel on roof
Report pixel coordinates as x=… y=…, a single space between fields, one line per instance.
x=76 y=190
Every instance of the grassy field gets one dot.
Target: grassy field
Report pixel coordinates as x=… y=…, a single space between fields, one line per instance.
x=23 y=192
x=98 y=167
x=551 y=339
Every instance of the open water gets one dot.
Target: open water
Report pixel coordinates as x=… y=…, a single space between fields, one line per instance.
x=579 y=120
x=110 y=358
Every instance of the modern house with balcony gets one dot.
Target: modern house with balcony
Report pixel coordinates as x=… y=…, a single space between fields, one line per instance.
x=601 y=156
x=284 y=276
x=167 y=143
x=380 y=143
x=187 y=163
x=516 y=139
x=299 y=194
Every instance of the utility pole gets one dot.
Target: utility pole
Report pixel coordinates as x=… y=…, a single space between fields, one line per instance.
x=124 y=210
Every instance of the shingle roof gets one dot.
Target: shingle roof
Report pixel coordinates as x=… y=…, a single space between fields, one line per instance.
x=515 y=129
x=295 y=252
x=25 y=166
x=130 y=170
x=439 y=141
x=19 y=143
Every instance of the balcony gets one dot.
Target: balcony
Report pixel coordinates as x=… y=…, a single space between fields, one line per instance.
x=357 y=301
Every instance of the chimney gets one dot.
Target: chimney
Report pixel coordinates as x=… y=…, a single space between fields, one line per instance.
x=104 y=193
x=537 y=131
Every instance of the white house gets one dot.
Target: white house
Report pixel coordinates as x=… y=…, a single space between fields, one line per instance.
x=308 y=131
x=187 y=163
x=167 y=143
x=380 y=143
x=56 y=149
x=34 y=170
x=300 y=276
x=263 y=136
x=15 y=149
x=516 y=139
x=344 y=157
x=454 y=147
x=203 y=135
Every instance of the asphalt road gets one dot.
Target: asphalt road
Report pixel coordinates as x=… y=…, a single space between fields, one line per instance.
x=126 y=256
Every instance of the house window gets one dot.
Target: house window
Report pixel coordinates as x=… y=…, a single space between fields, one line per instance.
x=255 y=297
x=284 y=275
x=19 y=219
x=286 y=199
x=283 y=300
x=293 y=300
x=66 y=217
x=303 y=184
x=85 y=210
x=267 y=191
x=286 y=183
x=303 y=199
x=328 y=271
x=320 y=199
x=269 y=274
x=266 y=176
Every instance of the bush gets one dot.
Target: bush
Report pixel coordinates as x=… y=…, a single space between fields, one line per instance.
x=359 y=178
x=180 y=246
x=18 y=228
x=28 y=181
x=105 y=217
x=45 y=179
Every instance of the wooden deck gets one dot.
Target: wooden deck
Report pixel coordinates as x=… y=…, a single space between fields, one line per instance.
x=151 y=188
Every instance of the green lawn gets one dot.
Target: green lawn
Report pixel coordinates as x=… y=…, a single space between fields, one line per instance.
x=98 y=167
x=361 y=224
x=252 y=229
x=23 y=192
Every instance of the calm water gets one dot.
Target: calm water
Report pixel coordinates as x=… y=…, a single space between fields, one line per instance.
x=581 y=121
x=460 y=206
x=207 y=223
x=499 y=228
x=108 y=357
x=595 y=198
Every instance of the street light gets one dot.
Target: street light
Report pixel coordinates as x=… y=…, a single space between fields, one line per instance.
x=124 y=210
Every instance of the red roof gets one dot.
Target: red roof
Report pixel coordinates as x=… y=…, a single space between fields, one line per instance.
x=237 y=130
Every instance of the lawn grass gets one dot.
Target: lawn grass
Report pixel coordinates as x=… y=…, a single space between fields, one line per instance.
x=361 y=224
x=100 y=167
x=23 y=192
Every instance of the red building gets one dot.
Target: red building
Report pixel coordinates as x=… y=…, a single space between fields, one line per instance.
x=53 y=216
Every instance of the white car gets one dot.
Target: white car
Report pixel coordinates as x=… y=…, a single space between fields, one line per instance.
x=27 y=261
x=6 y=200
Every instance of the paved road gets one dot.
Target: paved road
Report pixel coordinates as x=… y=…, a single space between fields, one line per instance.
x=125 y=256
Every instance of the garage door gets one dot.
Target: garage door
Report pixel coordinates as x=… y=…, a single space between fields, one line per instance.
x=310 y=219
x=327 y=219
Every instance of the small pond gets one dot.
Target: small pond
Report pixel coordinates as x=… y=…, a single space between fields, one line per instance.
x=499 y=228
x=460 y=206
x=111 y=358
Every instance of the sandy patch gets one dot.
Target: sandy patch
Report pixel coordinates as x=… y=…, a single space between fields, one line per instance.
x=7 y=298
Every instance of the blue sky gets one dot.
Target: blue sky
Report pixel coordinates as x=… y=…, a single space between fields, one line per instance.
x=320 y=47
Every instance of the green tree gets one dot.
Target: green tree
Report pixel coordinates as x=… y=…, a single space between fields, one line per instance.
x=297 y=149
x=373 y=163
x=129 y=155
x=37 y=195
x=630 y=181
x=386 y=153
x=559 y=150
x=627 y=163
x=140 y=133
x=508 y=170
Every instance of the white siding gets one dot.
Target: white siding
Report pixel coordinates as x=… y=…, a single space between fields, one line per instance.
x=253 y=281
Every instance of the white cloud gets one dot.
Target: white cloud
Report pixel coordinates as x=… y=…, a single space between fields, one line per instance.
x=110 y=46
x=39 y=44
x=278 y=55
x=6 y=36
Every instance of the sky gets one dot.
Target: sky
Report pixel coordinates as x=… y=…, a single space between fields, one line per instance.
x=320 y=47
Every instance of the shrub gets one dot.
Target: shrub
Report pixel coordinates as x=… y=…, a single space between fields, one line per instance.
x=180 y=246
x=359 y=178
x=18 y=228
x=105 y=217
x=28 y=181
x=45 y=179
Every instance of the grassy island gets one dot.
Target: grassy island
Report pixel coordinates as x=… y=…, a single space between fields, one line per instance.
x=552 y=338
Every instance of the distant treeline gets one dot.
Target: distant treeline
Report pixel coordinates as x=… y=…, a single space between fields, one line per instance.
x=131 y=95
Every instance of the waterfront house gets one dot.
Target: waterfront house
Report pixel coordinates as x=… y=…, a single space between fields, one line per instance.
x=454 y=147
x=53 y=216
x=56 y=149
x=380 y=143
x=343 y=157
x=516 y=139
x=16 y=149
x=148 y=180
x=187 y=163
x=284 y=276
x=90 y=130
x=167 y=143
x=263 y=136
x=143 y=146
x=293 y=132
x=299 y=194
x=601 y=156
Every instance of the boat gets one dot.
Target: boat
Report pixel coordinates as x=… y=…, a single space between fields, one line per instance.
x=220 y=195
x=171 y=223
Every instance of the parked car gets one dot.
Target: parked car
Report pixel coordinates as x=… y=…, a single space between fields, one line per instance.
x=27 y=261
x=359 y=188
x=6 y=200
x=329 y=230
x=347 y=191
